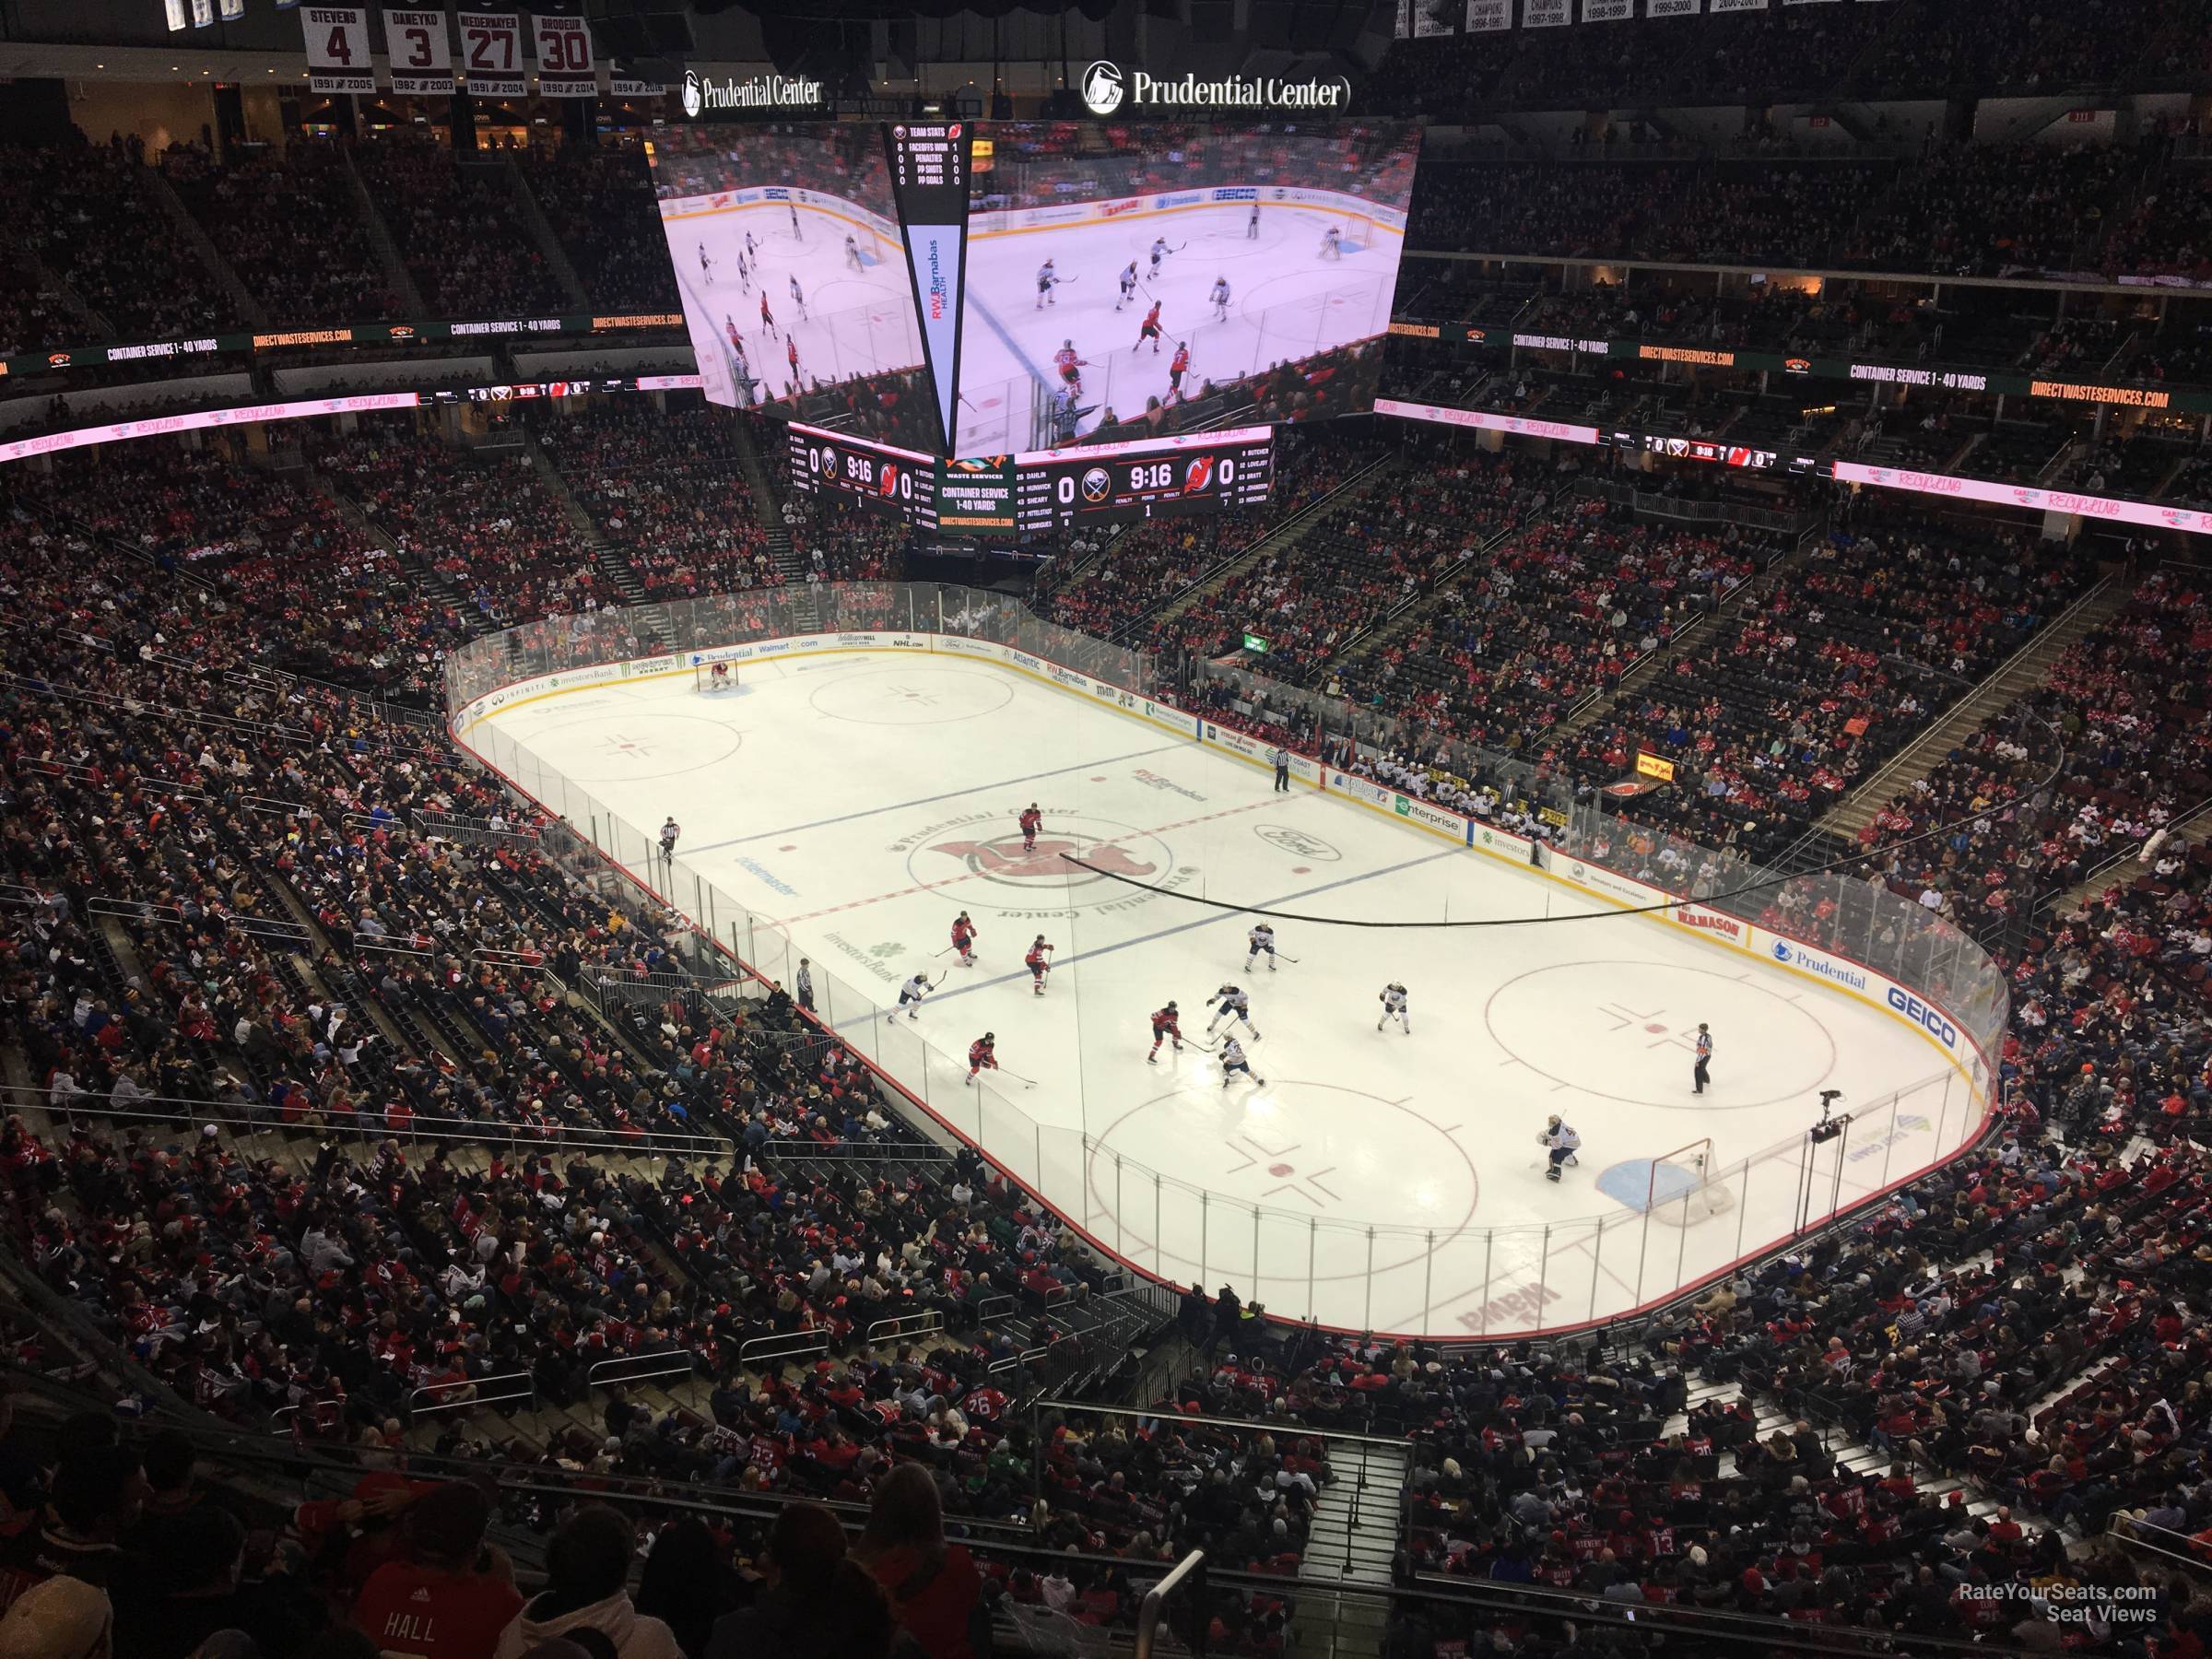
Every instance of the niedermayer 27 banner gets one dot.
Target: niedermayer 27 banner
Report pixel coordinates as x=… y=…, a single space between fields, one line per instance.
x=929 y=182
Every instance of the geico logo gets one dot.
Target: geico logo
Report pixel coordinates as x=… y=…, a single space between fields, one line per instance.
x=1912 y=1008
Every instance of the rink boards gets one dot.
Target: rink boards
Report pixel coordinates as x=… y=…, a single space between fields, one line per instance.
x=1829 y=969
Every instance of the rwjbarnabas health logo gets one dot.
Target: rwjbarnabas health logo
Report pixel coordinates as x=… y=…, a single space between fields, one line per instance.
x=1107 y=87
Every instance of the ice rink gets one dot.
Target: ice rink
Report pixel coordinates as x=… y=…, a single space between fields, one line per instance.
x=856 y=803
x=1287 y=301
x=855 y=321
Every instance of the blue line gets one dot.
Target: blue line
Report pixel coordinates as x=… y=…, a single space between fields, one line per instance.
x=1006 y=339
x=901 y=806
x=1202 y=922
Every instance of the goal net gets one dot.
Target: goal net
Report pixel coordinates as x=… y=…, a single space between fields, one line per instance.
x=1681 y=1189
x=713 y=676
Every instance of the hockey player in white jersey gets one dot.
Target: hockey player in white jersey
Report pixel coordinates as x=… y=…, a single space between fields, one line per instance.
x=1128 y=285
x=1230 y=1003
x=1220 y=299
x=744 y=275
x=1332 y=243
x=851 y=252
x=798 y=297
x=910 y=998
x=1262 y=937
x=1233 y=1062
x=1393 y=997
x=1047 y=280
x=1252 y=225
x=706 y=267
x=1561 y=1142
x=1159 y=252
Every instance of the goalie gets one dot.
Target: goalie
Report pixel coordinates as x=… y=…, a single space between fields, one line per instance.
x=1560 y=1143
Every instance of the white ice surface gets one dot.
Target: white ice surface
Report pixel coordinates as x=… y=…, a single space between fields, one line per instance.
x=856 y=803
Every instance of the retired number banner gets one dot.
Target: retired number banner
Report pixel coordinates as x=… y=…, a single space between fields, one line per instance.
x=564 y=58
x=420 y=56
x=337 y=48
x=491 y=54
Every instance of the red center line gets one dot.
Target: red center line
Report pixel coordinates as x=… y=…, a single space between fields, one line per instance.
x=926 y=887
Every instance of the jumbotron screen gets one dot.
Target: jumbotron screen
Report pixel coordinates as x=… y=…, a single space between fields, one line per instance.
x=1127 y=281
x=786 y=247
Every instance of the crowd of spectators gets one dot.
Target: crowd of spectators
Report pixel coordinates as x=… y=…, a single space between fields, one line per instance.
x=289 y=225
x=600 y=203
x=460 y=229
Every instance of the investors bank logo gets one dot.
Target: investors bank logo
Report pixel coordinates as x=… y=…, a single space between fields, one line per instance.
x=1107 y=87
x=1102 y=87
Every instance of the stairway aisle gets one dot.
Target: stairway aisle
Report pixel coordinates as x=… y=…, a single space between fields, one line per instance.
x=1354 y=1533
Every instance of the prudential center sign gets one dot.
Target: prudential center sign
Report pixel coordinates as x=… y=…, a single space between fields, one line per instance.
x=1108 y=89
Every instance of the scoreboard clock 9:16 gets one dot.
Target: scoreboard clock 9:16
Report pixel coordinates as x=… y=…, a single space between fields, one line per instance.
x=1203 y=473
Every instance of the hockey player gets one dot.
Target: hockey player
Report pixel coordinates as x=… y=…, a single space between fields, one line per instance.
x=1393 y=998
x=963 y=940
x=744 y=275
x=1149 y=330
x=706 y=267
x=1252 y=223
x=790 y=350
x=982 y=1053
x=1562 y=1143
x=1159 y=252
x=729 y=327
x=1233 y=1062
x=910 y=998
x=852 y=252
x=718 y=677
x=768 y=318
x=1039 y=963
x=1032 y=820
x=793 y=208
x=1166 y=1026
x=1263 y=939
x=1332 y=243
x=1067 y=417
x=1071 y=367
x=1220 y=299
x=1128 y=285
x=798 y=297
x=752 y=248
x=1178 y=366
x=1047 y=280
x=1233 y=1006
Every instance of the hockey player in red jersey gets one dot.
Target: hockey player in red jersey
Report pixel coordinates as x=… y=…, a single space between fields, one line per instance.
x=982 y=1052
x=1071 y=367
x=1177 y=369
x=1167 y=1025
x=963 y=940
x=1031 y=821
x=1148 y=330
x=1038 y=963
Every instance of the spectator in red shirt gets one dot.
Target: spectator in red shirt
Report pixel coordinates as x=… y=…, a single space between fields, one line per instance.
x=933 y=1585
x=448 y=1596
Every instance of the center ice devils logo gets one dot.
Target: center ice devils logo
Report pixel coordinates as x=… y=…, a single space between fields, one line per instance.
x=1004 y=860
x=1102 y=87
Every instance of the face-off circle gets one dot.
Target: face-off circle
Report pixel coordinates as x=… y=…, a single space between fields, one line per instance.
x=1298 y=1150
x=1635 y=1040
x=910 y=695
x=979 y=859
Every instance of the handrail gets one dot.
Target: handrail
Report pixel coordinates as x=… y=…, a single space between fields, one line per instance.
x=793 y=1346
x=665 y=1362
x=906 y=1324
x=1156 y=1598
x=528 y=1391
x=2139 y=1534
x=1243 y=1425
x=2130 y=850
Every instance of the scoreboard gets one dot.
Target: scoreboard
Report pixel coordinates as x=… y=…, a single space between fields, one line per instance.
x=876 y=477
x=1041 y=490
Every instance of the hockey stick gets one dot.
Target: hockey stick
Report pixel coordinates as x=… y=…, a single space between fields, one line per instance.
x=1025 y=1082
x=1286 y=956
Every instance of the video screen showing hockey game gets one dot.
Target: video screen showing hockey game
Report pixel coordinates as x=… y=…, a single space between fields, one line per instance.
x=785 y=243
x=1129 y=280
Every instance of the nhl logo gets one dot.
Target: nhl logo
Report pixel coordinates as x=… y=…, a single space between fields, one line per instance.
x=1102 y=87
x=694 y=99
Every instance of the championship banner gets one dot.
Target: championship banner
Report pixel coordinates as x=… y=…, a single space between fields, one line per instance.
x=173 y=13
x=1433 y=18
x=417 y=52
x=1671 y=8
x=1734 y=6
x=1485 y=16
x=337 y=48
x=231 y=11
x=1608 y=11
x=564 y=59
x=203 y=14
x=628 y=85
x=491 y=54
x=1546 y=14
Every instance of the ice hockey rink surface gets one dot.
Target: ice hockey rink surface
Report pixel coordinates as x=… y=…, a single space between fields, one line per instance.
x=856 y=803
x=1287 y=301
